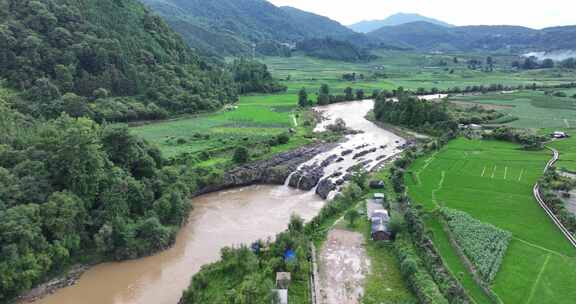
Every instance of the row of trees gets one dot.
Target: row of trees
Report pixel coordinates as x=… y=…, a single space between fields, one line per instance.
x=553 y=185
x=324 y=96
x=532 y=63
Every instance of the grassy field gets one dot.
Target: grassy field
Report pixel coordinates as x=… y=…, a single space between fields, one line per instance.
x=384 y=284
x=410 y=70
x=533 y=109
x=253 y=117
x=492 y=181
x=567 y=150
x=261 y=116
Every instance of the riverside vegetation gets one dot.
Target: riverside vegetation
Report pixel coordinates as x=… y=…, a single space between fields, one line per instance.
x=75 y=188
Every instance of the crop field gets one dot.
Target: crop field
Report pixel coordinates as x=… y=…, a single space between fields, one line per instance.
x=533 y=109
x=254 y=117
x=410 y=70
x=492 y=181
x=567 y=150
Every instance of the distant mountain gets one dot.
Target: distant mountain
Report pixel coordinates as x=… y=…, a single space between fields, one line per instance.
x=231 y=27
x=396 y=19
x=428 y=36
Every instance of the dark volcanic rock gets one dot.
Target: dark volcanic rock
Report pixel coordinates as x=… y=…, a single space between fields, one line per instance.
x=306 y=177
x=364 y=153
x=271 y=171
x=328 y=161
x=325 y=187
x=346 y=152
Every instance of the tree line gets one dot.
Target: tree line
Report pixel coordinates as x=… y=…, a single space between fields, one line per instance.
x=532 y=63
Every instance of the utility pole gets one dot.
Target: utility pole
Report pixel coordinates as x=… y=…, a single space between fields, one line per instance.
x=253 y=51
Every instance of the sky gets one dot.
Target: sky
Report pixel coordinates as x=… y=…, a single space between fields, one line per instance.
x=458 y=12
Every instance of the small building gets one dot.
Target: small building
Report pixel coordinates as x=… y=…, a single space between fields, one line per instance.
x=379 y=198
x=473 y=127
x=559 y=135
x=283 y=280
x=380 y=230
x=377 y=184
x=281 y=296
x=381 y=213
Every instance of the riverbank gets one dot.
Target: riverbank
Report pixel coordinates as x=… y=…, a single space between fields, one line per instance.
x=272 y=171
x=230 y=211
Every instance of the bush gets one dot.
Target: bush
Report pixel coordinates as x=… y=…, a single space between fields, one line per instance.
x=352 y=215
x=241 y=155
x=282 y=139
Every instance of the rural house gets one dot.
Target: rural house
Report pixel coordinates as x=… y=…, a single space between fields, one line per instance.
x=379 y=225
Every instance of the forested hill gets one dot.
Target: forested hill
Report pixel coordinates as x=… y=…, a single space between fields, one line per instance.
x=106 y=59
x=428 y=36
x=230 y=27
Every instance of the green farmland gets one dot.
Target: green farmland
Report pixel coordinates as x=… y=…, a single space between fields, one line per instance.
x=533 y=109
x=253 y=117
x=567 y=150
x=492 y=181
x=410 y=70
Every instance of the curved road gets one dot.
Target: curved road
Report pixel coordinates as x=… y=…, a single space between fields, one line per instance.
x=551 y=214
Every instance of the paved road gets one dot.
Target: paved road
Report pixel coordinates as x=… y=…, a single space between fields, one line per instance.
x=549 y=212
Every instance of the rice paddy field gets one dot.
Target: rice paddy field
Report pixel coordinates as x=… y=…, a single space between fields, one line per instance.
x=533 y=109
x=492 y=181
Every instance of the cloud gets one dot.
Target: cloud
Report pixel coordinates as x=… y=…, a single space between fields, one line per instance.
x=458 y=12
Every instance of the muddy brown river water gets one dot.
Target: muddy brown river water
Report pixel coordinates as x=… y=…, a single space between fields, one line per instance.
x=219 y=219
x=225 y=218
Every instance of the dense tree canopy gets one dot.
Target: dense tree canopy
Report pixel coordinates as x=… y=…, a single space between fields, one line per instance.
x=71 y=188
x=254 y=77
x=82 y=56
x=412 y=112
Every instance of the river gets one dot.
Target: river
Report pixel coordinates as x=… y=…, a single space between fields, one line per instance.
x=226 y=218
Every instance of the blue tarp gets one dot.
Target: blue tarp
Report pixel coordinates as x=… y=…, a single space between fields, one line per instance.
x=289 y=255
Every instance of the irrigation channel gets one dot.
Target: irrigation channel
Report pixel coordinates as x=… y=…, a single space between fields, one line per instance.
x=234 y=217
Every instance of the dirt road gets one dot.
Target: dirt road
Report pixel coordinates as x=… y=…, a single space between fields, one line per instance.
x=343 y=266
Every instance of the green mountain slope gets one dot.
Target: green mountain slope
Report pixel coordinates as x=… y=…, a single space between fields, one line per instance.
x=93 y=52
x=232 y=27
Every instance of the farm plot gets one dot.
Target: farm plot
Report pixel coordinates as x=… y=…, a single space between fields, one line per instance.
x=533 y=109
x=484 y=244
x=254 y=117
x=401 y=68
x=502 y=197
